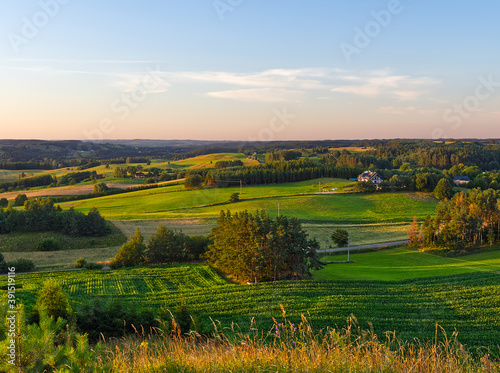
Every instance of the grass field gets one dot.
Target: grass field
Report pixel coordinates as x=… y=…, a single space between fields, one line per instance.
x=295 y=199
x=465 y=297
x=403 y=264
x=28 y=241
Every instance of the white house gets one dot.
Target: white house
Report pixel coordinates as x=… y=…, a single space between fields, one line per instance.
x=374 y=177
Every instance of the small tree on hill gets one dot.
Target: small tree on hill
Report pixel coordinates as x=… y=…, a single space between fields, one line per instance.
x=4 y=202
x=414 y=233
x=100 y=188
x=131 y=253
x=235 y=197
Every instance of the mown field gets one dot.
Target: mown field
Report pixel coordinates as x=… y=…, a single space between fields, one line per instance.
x=464 y=297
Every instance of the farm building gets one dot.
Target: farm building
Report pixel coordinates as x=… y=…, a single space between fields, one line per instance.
x=461 y=180
x=140 y=175
x=374 y=177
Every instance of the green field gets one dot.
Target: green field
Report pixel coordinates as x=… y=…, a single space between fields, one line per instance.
x=464 y=297
x=404 y=264
x=295 y=199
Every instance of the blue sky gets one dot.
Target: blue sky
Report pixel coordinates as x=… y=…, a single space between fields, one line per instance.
x=249 y=69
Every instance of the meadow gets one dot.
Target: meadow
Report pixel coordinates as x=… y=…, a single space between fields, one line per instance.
x=295 y=199
x=464 y=296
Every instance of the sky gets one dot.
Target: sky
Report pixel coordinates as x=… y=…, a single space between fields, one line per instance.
x=249 y=69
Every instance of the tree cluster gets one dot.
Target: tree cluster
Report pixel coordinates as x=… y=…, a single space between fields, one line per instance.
x=282 y=156
x=29 y=182
x=41 y=215
x=228 y=163
x=165 y=246
x=258 y=248
x=466 y=220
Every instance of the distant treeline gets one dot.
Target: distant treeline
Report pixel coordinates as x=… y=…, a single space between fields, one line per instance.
x=394 y=154
x=278 y=172
x=41 y=216
x=29 y=182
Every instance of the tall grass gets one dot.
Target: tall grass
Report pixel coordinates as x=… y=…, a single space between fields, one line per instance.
x=291 y=348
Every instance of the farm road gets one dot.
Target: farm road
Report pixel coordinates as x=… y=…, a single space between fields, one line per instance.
x=370 y=246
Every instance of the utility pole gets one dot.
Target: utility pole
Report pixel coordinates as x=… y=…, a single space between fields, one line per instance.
x=278 y=209
x=348 y=245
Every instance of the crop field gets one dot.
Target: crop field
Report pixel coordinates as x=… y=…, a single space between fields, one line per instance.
x=467 y=302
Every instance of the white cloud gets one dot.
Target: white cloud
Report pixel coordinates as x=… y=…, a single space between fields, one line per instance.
x=267 y=95
x=276 y=78
x=382 y=83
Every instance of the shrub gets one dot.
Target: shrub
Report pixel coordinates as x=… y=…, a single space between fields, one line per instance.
x=92 y=265
x=80 y=263
x=193 y=182
x=20 y=199
x=100 y=188
x=235 y=197
x=48 y=244
x=22 y=265
x=4 y=202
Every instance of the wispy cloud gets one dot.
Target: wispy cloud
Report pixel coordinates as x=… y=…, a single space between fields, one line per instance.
x=292 y=78
x=266 y=95
x=378 y=83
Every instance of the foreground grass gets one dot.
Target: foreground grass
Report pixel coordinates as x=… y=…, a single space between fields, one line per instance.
x=290 y=348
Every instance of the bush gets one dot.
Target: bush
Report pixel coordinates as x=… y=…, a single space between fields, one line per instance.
x=235 y=197
x=48 y=244
x=20 y=199
x=92 y=265
x=4 y=202
x=22 y=265
x=80 y=263
x=193 y=182
x=365 y=187
x=100 y=188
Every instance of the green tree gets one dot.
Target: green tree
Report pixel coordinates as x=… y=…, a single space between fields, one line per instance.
x=4 y=202
x=444 y=189
x=132 y=252
x=100 y=188
x=340 y=237
x=52 y=299
x=193 y=182
x=20 y=199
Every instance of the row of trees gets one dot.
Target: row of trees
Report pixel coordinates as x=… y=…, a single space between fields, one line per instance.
x=165 y=246
x=466 y=220
x=29 y=182
x=41 y=215
x=258 y=248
